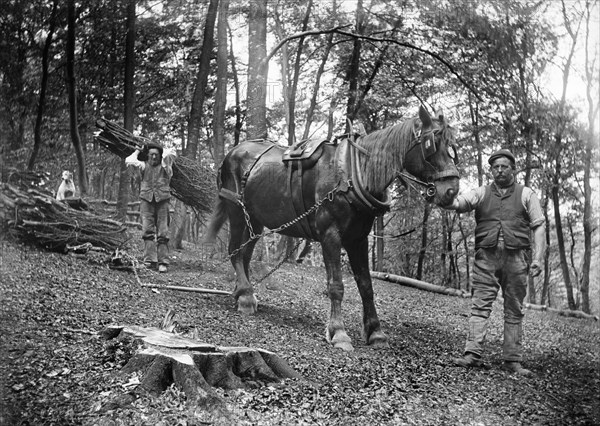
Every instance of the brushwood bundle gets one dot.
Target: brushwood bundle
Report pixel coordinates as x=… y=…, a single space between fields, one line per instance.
x=192 y=182
x=35 y=216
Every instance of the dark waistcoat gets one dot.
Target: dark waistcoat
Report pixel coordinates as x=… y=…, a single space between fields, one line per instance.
x=155 y=183
x=504 y=212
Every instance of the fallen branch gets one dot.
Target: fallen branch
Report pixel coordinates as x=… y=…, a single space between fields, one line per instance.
x=188 y=289
x=35 y=216
x=561 y=312
x=422 y=285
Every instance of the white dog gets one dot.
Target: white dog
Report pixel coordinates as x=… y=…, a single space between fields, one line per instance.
x=67 y=187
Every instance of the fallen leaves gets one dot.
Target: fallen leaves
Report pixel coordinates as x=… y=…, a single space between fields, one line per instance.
x=58 y=371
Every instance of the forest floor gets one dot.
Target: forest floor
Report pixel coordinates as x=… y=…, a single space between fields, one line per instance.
x=56 y=369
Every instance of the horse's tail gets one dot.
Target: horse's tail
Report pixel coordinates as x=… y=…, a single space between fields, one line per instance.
x=218 y=218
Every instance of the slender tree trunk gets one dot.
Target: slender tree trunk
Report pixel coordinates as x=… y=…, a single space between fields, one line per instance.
x=295 y=78
x=236 y=84
x=315 y=92
x=560 y=236
x=128 y=107
x=37 y=135
x=177 y=228
x=256 y=126
x=352 y=73
x=72 y=93
x=379 y=243
x=195 y=120
x=221 y=85
x=591 y=73
x=424 y=239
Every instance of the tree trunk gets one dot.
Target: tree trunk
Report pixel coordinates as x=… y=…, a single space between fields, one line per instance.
x=72 y=92
x=128 y=107
x=162 y=358
x=37 y=135
x=296 y=75
x=560 y=235
x=426 y=212
x=221 y=84
x=352 y=73
x=379 y=244
x=256 y=97
x=236 y=84
x=591 y=74
x=195 y=119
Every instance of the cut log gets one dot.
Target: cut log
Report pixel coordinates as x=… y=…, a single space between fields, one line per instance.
x=422 y=285
x=561 y=312
x=161 y=358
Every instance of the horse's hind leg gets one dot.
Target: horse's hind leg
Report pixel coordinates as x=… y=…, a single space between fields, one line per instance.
x=359 y=262
x=239 y=234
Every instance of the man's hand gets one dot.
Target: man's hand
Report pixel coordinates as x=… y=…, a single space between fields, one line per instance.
x=536 y=269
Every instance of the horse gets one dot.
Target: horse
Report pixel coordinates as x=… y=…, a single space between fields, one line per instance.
x=331 y=195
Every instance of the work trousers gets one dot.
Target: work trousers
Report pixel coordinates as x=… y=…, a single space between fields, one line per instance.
x=155 y=231
x=496 y=268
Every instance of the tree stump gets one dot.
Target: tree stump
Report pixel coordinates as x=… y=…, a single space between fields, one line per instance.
x=162 y=358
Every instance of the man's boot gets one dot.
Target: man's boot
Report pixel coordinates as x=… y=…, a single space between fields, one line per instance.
x=150 y=259
x=513 y=333
x=469 y=360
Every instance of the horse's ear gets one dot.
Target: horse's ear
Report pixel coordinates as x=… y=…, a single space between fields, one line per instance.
x=440 y=114
x=425 y=117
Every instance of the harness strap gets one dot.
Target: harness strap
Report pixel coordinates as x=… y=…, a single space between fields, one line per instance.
x=249 y=170
x=378 y=207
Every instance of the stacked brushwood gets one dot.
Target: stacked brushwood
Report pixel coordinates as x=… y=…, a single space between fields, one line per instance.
x=33 y=215
x=192 y=182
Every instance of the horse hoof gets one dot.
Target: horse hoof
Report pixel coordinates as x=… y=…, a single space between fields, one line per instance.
x=247 y=305
x=378 y=340
x=345 y=346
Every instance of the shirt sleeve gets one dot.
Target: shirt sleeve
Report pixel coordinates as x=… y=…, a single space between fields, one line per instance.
x=534 y=209
x=132 y=161
x=470 y=199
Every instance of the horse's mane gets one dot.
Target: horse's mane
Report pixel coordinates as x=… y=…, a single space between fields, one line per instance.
x=387 y=148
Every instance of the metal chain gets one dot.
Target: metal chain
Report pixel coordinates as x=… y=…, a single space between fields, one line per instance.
x=281 y=262
x=253 y=236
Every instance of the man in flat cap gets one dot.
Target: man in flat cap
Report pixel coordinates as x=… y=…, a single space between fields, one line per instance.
x=155 y=166
x=506 y=215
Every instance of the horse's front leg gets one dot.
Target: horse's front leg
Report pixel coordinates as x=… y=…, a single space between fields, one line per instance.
x=243 y=292
x=359 y=262
x=335 y=332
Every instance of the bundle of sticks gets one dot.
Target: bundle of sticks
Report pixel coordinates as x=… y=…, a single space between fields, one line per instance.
x=35 y=216
x=192 y=182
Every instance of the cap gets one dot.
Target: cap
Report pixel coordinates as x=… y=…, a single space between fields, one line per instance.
x=502 y=153
x=143 y=156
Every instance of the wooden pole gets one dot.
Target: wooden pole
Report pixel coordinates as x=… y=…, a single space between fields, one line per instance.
x=422 y=285
x=188 y=289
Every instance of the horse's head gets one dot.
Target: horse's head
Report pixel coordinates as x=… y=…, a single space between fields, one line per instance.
x=432 y=159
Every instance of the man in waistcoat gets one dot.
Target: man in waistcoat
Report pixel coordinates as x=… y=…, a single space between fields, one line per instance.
x=155 y=166
x=507 y=214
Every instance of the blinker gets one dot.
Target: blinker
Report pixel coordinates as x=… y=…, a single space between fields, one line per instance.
x=428 y=144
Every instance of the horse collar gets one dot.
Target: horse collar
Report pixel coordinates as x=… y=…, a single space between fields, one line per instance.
x=352 y=177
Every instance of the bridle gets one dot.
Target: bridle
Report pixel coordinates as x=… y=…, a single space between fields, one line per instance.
x=426 y=141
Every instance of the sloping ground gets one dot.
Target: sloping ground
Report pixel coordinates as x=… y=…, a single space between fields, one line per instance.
x=56 y=370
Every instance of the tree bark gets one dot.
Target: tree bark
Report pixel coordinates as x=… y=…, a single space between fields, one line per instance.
x=128 y=107
x=221 y=84
x=256 y=96
x=352 y=73
x=195 y=119
x=37 y=135
x=423 y=250
x=591 y=74
x=72 y=94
